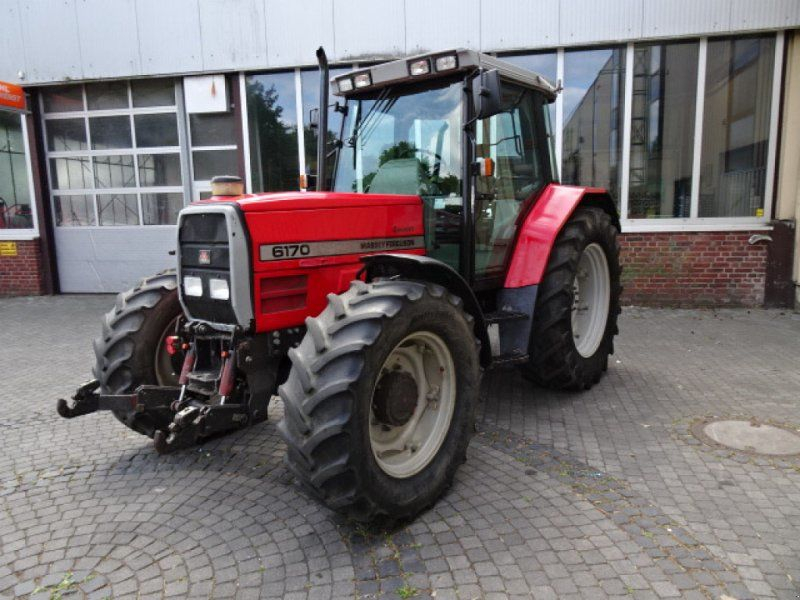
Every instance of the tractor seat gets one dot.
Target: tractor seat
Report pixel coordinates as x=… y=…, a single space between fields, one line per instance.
x=398 y=176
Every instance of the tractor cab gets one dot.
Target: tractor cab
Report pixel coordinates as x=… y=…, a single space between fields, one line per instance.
x=467 y=133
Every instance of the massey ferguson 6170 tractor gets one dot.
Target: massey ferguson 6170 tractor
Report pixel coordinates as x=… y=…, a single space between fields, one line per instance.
x=438 y=244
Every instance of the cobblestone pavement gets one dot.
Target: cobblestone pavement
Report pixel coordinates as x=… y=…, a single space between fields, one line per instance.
x=592 y=495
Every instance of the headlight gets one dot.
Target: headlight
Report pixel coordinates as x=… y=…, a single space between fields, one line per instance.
x=345 y=84
x=419 y=67
x=363 y=80
x=193 y=286
x=218 y=288
x=447 y=62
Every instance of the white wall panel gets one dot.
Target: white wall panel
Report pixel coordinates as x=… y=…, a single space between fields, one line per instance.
x=588 y=21
x=442 y=24
x=169 y=36
x=109 y=41
x=685 y=17
x=12 y=56
x=369 y=28
x=111 y=259
x=747 y=14
x=233 y=32
x=50 y=35
x=296 y=29
x=511 y=25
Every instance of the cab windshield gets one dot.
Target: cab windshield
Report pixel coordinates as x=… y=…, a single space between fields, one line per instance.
x=403 y=141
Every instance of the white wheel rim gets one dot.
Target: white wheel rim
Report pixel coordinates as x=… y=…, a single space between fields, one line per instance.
x=591 y=298
x=402 y=451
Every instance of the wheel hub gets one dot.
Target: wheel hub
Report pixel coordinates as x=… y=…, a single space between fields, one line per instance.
x=395 y=398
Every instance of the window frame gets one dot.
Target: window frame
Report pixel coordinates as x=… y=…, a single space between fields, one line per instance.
x=85 y=114
x=25 y=233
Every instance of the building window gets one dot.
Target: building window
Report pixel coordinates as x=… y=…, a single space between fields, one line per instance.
x=736 y=122
x=272 y=116
x=15 y=198
x=593 y=118
x=310 y=87
x=113 y=153
x=662 y=130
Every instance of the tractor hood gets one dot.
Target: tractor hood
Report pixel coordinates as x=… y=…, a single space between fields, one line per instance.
x=313 y=200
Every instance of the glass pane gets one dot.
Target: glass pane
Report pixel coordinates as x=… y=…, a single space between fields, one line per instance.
x=110 y=132
x=273 y=132
x=161 y=209
x=114 y=171
x=662 y=130
x=545 y=64
x=72 y=211
x=63 y=99
x=117 y=209
x=510 y=140
x=15 y=209
x=66 y=135
x=106 y=95
x=593 y=94
x=218 y=129
x=73 y=173
x=210 y=163
x=736 y=127
x=159 y=169
x=153 y=92
x=156 y=130
x=310 y=87
x=410 y=144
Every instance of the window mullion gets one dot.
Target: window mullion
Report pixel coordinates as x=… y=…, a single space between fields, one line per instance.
x=559 y=111
x=245 y=125
x=301 y=138
x=698 y=127
x=774 y=118
x=626 y=132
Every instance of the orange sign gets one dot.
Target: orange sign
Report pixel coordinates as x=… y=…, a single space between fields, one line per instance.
x=11 y=97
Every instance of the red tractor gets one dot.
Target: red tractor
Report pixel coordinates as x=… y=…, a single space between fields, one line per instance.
x=438 y=244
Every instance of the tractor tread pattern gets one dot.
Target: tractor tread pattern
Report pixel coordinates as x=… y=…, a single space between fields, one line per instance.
x=320 y=392
x=555 y=363
x=115 y=347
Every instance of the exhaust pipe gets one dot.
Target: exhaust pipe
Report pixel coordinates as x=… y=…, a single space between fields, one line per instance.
x=322 y=129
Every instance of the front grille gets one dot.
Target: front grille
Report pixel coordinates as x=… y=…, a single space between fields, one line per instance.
x=205 y=253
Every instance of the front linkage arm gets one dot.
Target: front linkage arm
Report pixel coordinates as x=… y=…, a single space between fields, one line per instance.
x=146 y=397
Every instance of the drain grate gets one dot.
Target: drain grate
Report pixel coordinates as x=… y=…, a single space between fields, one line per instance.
x=750 y=436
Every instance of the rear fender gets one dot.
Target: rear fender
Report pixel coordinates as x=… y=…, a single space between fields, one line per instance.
x=543 y=224
x=425 y=268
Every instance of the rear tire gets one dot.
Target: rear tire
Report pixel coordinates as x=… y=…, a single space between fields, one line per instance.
x=330 y=397
x=559 y=358
x=132 y=342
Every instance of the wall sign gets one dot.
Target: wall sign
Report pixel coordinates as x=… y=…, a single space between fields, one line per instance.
x=8 y=248
x=12 y=97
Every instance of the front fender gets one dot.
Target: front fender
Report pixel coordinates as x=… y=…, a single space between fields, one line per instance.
x=425 y=268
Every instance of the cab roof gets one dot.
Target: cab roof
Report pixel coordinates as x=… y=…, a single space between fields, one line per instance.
x=399 y=71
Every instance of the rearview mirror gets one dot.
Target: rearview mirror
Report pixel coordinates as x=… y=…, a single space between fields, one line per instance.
x=486 y=94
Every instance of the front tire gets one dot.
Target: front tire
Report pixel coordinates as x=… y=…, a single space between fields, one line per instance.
x=131 y=349
x=352 y=396
x=577 y=305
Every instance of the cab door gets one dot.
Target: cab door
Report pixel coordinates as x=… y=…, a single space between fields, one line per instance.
x=516 y=141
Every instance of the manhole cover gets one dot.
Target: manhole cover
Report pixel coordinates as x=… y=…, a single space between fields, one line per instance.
x=749 y=436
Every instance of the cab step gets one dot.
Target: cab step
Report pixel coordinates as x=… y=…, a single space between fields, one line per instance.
x=504 y=316
x=508 y=360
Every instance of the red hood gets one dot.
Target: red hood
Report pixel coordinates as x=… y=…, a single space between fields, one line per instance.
x=313 y=200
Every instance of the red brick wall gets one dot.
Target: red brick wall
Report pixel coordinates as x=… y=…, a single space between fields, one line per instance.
x=693 y=269
x=21 y=275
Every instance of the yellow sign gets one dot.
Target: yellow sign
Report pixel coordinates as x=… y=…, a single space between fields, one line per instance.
x=8 y=248
x=759 y=212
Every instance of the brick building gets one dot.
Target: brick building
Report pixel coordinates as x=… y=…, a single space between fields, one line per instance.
x=689 y=113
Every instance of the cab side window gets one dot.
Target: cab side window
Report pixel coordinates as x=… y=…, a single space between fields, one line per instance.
x=509 y=139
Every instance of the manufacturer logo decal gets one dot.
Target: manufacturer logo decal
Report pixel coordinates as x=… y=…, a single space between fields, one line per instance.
x=204 y=257
x=312 y=249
